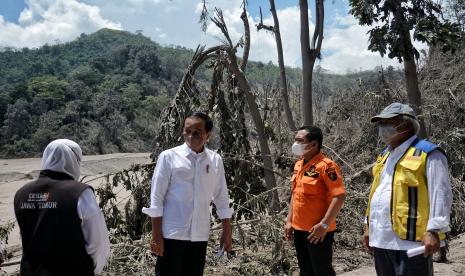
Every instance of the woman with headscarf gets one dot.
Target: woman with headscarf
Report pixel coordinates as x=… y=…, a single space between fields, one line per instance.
x=62 y=228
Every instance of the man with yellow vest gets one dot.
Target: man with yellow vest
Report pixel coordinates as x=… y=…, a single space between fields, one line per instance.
x=410 y=198
x=317 y=197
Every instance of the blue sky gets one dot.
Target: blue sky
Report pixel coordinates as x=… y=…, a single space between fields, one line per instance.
x=331 y=6
x=10 y=9
x=32 y=23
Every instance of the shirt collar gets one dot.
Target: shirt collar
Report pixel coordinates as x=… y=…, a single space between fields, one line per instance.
x=55 y=175
x=404 y=146
x=189 y=152
x=315 y=158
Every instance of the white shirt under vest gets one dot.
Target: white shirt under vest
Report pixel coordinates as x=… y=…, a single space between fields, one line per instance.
x=440 y=200
x=184 y=184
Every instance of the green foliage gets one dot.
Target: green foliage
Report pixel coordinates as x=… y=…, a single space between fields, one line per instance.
x=87 y=73
x=4 y=100
x=431 y=31
x=393 y=20
x=105 y=90
x=18 y=121
x=47 y=92
x=455 y=11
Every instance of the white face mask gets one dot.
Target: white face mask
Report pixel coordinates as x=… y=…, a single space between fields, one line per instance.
x=386 y=133
x=298 y=149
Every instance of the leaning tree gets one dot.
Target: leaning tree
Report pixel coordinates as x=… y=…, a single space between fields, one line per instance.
x=229 y=97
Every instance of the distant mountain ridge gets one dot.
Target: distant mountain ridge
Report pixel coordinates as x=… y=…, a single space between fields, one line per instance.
x=106 y=91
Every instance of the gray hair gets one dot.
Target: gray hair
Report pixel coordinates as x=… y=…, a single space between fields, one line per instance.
x=413 y=122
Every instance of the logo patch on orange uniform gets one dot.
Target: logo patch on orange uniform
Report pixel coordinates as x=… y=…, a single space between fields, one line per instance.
x=332 y=174
x=312 y=172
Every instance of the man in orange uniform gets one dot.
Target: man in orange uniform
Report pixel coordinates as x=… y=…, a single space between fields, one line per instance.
x=317 y=197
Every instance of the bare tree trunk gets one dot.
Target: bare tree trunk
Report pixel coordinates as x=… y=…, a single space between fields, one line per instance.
x=309 y=52
x=413 y=92
x=245 y=55
x=282 y=70
x=410 y=70
x=307 y=67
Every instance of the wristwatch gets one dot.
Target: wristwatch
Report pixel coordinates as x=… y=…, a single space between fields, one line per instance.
x=324 y=225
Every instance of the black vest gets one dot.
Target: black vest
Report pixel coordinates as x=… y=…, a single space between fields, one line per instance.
x=51 y=233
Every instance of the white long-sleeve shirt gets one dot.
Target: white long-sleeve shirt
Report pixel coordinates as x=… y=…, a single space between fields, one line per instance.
x=94 y=229
x=381 y=234
x=184 y=184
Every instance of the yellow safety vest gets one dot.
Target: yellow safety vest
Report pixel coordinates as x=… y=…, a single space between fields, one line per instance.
x=409 y=198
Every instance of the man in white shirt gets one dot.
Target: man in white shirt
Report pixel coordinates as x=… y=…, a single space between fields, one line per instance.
x=410 y=198
x=186 y=180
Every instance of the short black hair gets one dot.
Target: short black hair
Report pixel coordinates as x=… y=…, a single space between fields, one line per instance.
x=204 y=117
x=314 y=134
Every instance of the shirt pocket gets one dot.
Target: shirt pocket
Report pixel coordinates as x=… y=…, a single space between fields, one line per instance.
x=182 y=172
x=409 y=172
x=209 y=181
x=310 y=185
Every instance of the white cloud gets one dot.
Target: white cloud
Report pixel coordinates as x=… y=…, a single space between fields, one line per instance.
x=347 y=20
x=175 y=22
x=263 y=43
x=346 y=48
x=168 y=22
x=45 y=21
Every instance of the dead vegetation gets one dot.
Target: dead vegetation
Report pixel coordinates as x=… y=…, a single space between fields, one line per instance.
x=349 y=139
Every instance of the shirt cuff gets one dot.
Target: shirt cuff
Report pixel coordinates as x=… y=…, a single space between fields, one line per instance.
x=224 y=213
x=153 y=212
x=337 y=191
x=439 y=224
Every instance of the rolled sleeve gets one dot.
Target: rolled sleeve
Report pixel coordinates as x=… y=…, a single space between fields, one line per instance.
x=225 y=213
x=159 y=187
x=221 y=197
x=153 y=212
x=440 y=193
x=440 y=224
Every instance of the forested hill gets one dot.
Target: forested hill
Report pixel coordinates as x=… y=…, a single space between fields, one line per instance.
x=105 y=90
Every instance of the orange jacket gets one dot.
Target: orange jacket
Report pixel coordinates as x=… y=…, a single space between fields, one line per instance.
x=314 y=184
